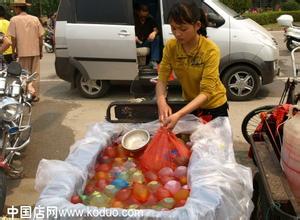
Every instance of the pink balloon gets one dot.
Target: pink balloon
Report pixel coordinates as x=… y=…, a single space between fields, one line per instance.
x=166 y=171
x=180 y=171
x=185 y=187
x=173 y=186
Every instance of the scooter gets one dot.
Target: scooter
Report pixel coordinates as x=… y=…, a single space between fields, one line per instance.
x=49 y=40
x=292 y=37
x=15 y=121
x=291 y=32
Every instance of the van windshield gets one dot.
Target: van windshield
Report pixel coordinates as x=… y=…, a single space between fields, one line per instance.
x=225 y=8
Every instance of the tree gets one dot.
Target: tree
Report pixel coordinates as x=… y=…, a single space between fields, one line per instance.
x=239 y=6
x=38 y=8
x=43 y=7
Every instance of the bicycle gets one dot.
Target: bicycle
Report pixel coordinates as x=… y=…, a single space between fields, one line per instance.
x=253 y=118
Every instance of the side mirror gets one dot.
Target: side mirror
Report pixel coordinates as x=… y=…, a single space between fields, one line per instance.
x=14 y=68
x=215 y=20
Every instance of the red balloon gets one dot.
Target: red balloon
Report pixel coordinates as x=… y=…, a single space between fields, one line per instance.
x=123 y=194
x=75 y=199
x=132 y=201
x=180 y=203
x=165 y=179
x=150 y=176
x=102 y=167
x=111 y=151
x=100 y=184
x=140 y=192
x=152 y=200
x=89 y=189
x=162 y=193
x=104 y=159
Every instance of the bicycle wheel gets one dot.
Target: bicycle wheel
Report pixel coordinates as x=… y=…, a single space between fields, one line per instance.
x=252 y=120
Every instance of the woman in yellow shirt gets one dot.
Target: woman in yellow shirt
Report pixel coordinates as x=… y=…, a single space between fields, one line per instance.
x=3 y=28
x=195 y=61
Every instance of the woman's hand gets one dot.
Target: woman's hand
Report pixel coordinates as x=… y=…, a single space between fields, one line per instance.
x=164 y=111
x=171 y=121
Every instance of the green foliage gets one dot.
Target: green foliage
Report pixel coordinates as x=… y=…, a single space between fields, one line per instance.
x=239 y=6
x=38 y=8
x=290 y=5
x=43 y=7
x=271 y=16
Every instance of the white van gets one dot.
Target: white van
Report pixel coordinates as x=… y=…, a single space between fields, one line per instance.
x=95 y=45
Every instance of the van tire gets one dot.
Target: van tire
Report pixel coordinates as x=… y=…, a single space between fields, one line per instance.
x=244 y=80
x=91 y=88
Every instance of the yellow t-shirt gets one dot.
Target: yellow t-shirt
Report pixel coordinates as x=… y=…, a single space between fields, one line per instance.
x=3 y=28
x=197 y=71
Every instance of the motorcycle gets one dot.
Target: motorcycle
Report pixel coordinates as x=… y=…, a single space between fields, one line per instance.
x=15 y=121
x=49 y=40
x=291 y=32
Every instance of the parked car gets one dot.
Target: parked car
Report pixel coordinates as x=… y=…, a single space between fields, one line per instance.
x=95 y=45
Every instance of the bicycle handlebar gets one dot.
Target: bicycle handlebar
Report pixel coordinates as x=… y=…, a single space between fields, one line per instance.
x=295 y=71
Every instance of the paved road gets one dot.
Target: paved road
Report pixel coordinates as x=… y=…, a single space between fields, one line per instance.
x=62 y=117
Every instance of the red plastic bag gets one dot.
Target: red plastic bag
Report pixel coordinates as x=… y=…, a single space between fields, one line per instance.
x=164 y=150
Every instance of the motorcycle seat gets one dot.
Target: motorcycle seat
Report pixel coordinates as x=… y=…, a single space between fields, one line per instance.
x=14 y=68
x=296 y=25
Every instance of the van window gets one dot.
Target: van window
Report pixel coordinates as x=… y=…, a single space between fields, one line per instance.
x=66 y=11
x=104 y=12
x=214 y=19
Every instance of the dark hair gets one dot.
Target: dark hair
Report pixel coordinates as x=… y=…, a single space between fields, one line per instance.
x=188 y=12
x=2 y=11
x=23 y=7
x=142 y=7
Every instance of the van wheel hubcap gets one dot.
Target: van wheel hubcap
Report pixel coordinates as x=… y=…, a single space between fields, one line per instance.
x=241 y=83
x=91 y=87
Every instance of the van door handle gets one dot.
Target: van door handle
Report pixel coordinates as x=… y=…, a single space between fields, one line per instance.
x=123 y=33
x=170 y=33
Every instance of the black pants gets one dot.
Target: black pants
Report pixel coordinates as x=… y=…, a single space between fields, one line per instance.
x=8 y=58
x=221 y=111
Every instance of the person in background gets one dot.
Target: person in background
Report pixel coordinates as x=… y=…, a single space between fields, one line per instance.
x=26 y=34
x=3 y=28
x=52 y=20
x=147 y=33
x=5 y=43
x=195 y=61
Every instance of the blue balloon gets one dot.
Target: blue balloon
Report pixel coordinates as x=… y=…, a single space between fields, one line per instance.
x=120 y=183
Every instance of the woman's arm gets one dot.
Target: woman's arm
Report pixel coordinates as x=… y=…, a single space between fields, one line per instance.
x=207 y=87
x=164 y=109
x=196 y=103
x=5 y=45
x=165 y=68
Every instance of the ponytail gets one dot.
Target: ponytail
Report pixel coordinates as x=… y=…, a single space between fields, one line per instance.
x=204 y=23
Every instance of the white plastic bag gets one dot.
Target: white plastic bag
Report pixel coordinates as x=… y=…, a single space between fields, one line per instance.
x=220 y=188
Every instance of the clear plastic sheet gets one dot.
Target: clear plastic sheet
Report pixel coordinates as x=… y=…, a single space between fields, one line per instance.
x=220 y=188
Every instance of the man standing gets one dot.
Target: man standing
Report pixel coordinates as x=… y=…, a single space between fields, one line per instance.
x=26 y=34
x=3 y=28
